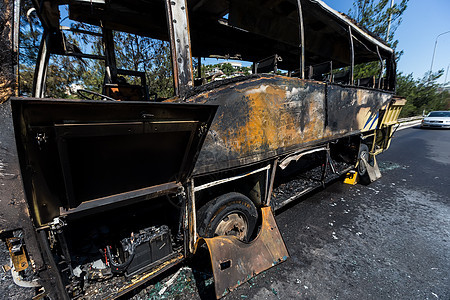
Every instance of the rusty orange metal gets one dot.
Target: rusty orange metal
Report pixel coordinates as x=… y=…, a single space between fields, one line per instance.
x=269 y=116
x=234 y=262
x=17 y=253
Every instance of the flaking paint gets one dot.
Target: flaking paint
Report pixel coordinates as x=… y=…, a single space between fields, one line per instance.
x=275 y=115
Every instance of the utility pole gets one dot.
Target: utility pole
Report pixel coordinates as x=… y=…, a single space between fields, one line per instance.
x=434 y=51
x=389 y=22
x=446 y=73
x=387 y=35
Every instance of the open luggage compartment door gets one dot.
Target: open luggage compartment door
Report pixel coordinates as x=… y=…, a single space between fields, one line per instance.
x=235 y=262
x=88 y=156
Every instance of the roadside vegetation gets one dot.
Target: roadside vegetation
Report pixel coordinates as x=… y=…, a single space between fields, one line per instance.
x=423 y=94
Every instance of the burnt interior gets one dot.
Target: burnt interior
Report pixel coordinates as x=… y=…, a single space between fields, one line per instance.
x=313 y=170
x=250 y=30
x=98 y=246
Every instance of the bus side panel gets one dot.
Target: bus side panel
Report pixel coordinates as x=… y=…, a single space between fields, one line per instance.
x=263 y=118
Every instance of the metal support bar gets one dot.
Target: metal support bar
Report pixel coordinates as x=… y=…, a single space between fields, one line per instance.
x=302 y=40
x=199 y=66
x=15 y=44
x=180 y=44
x=76 y=30
x=110 y=57
x=272 y=179
x=328 y=161
x=40 y=72
x=190 y=220
x=352 y=53
x=217 y=182
x=382 y=67
x=83 y=55
x=120 y=200
x=390 y=73
x=56 y=284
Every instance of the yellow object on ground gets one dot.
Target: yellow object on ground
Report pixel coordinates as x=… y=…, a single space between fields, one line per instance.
x=351 y=177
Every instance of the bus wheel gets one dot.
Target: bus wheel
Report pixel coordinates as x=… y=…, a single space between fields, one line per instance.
x=229 y=214
x=362 y=170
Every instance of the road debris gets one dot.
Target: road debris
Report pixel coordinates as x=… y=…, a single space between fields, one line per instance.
x=171 y=280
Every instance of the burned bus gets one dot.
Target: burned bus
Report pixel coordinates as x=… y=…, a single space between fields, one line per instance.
x=101 y=194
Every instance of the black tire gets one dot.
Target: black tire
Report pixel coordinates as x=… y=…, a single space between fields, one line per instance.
x=362 y=171
x=228 y=214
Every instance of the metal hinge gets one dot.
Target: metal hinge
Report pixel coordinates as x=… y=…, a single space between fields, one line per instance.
x=41 y=139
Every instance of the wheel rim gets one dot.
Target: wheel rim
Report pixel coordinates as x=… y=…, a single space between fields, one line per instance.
x=362 y=167
x=233 y=224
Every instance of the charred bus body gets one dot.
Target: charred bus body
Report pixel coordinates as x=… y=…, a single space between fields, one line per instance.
x=112 y=193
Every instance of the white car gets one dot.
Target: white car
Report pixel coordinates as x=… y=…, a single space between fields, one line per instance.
x=436 y=119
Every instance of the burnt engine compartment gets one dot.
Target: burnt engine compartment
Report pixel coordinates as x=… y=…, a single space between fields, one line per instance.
x=106 y=249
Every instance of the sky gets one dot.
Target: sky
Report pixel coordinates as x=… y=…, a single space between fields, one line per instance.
x=423 y=21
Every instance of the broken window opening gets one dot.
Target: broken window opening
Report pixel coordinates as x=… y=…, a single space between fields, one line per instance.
x=216 y=68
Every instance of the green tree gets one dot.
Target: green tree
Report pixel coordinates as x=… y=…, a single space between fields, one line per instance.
x=227 y=69
x=138 y=53
x=245 y=70
x=423 y=94
x=62 y=71
x=374 y=15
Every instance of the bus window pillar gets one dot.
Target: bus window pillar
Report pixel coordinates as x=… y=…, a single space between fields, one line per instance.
x=302 y=40
x=352 y=56
x=40 y=72
x=180 y=44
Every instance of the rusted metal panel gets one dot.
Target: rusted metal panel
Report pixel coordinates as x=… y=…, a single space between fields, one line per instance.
x=259 y=119
x=270 y=116
x=352 y=109
x=17 y=253
x=234 y=262
x=14 y=211
x=13 y=207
